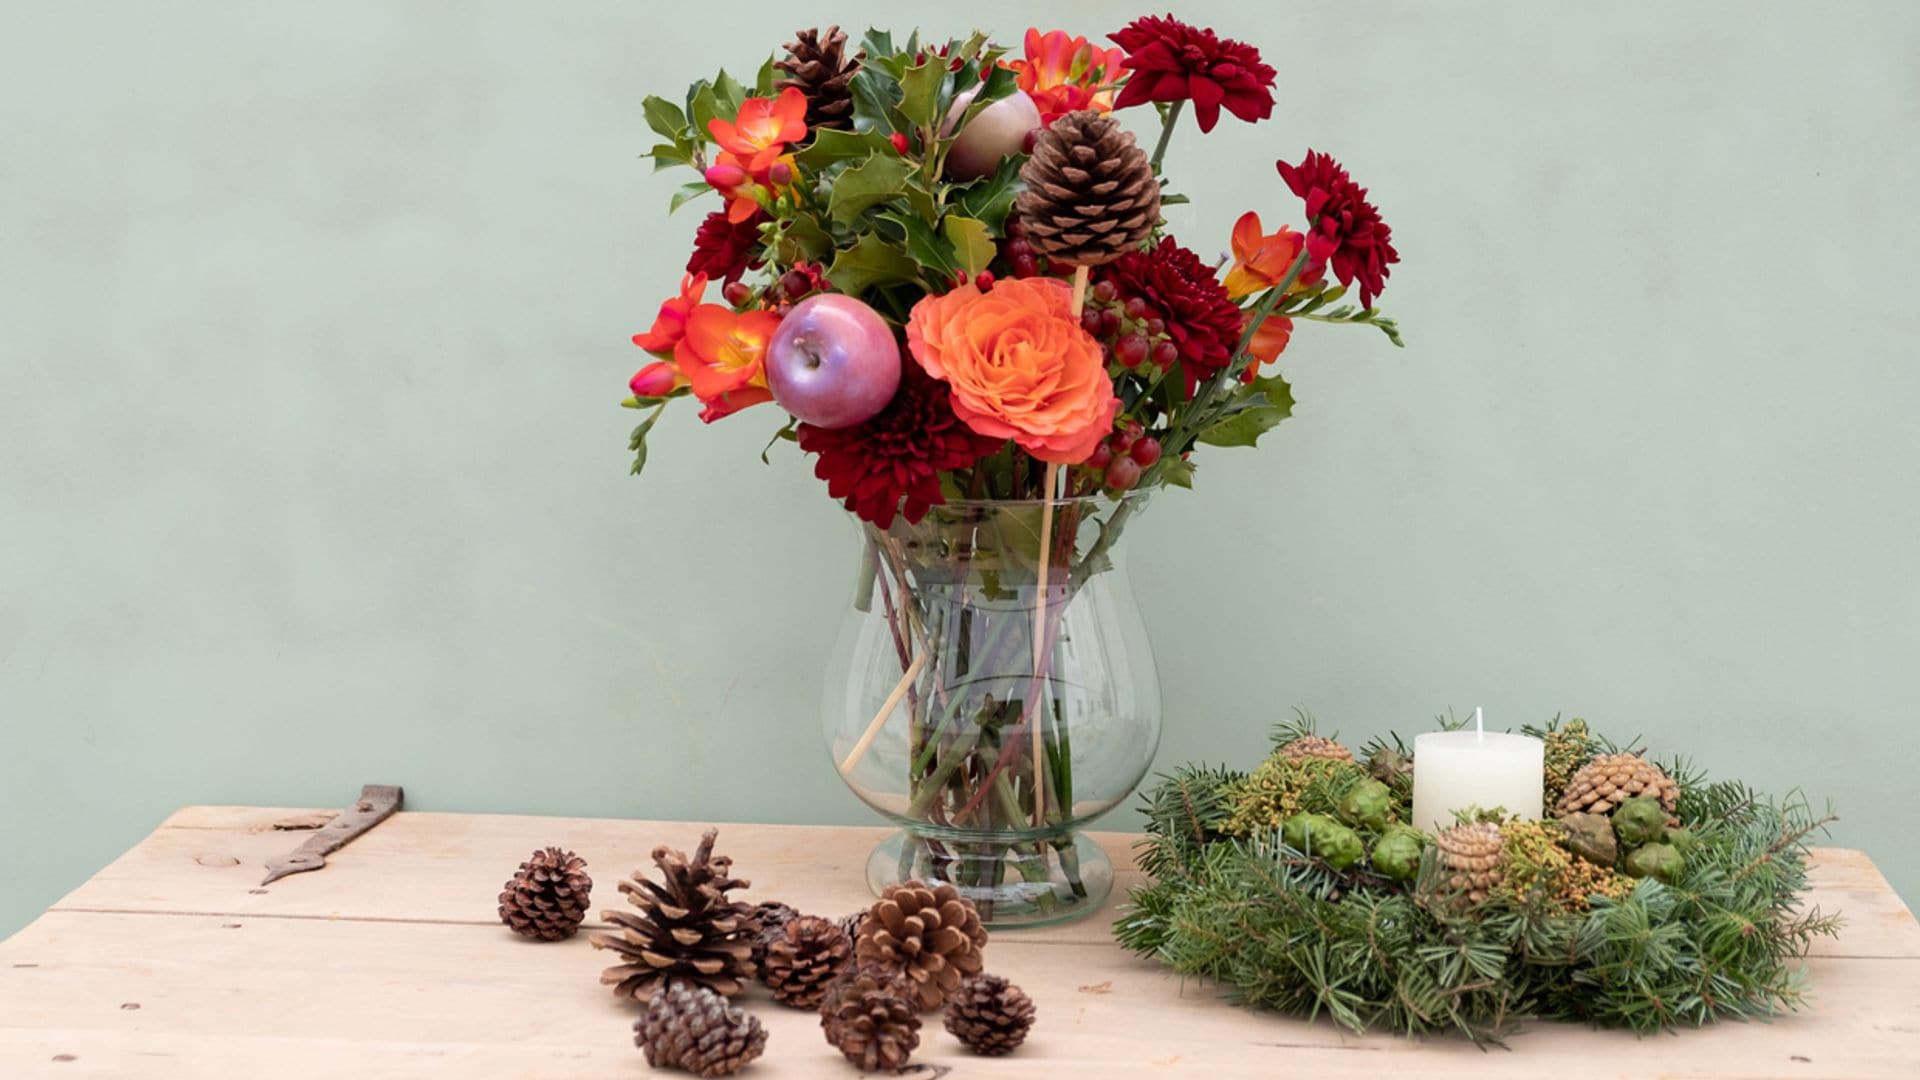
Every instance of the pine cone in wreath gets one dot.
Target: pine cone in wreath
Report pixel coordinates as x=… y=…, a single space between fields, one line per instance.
x=871 y=1016
x=1315 y=746
x=686 y=928
x=818 y=66
x=931 y=935
x=546 y=899
x=1604 y=783
x=1091 y=195
x=1470 y=860
x=694 y=1029
x=803 y=958
x=989 y=1015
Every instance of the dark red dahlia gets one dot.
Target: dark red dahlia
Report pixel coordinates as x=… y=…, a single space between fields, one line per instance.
x=723 y=250
x=897 y=455
x=1347 y=232
x=1174 y=61
x=1182 y=291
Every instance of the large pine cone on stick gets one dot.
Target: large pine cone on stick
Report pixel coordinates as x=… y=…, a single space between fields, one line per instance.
x=932 y=936
x=546 y=899
x=1091 y=195
x=694 y=1029
x=818 y=66
x=686 y=927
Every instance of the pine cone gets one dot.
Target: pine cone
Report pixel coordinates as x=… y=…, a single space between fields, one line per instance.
x=1470 y=860
x=989 y=1015
x=686 y=927
x=694 y=1029
x=871 y=1017
x=932 y=936
x=821 y=70
x=1091 y=195
x=768 y=919
x=851 y=924
x=1604 y=783
x=1315 y=746
x=547 y=897
x=804 y=957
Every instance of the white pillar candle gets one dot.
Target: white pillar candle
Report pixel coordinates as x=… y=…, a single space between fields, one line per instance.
x=1453 y=770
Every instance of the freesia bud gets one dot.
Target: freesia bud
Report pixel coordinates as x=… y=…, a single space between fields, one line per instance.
x=726 y=176
x=655 y=380
x=781 y=174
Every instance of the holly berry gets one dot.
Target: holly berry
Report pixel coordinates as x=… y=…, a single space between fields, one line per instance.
x=983 y=281
x=1166 y=353
x=899 y=142
x=1122 y=474
x=1146 y=451
x=737 y=293
x=1131 y=350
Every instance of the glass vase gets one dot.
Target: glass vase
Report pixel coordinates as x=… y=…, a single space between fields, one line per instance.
x=991 y=694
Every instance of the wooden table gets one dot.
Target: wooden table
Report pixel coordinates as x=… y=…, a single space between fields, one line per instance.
x=390 y=963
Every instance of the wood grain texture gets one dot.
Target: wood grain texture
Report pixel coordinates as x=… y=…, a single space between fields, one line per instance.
x=389 y=963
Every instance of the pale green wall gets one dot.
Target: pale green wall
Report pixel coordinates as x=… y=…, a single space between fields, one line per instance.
x=315 y=317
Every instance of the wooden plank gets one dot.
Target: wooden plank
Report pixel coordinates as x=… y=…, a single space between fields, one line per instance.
x=281 y=997
x=208 y=859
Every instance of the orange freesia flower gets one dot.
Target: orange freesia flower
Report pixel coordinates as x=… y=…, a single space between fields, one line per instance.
x=762 y=130
x=1260 y=260
x=670 y=325
x=1063 y=74
x=743 y=189
x=1269 y=341
x=721 y=356
x=1019 y=366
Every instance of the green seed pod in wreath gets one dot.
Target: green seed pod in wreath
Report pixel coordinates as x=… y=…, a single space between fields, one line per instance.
x=1662 y=862
x=1324 y=838
x=1590 y=836
x=1683 y=840
x=1640 y=820
x=1367 y=805
x=1397 y=854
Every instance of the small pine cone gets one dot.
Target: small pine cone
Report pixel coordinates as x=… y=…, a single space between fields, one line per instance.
x=818 y=66
x=546 y=899
x=686 y=927
x=1470 y=860
x=767 y=920
x=989 y=1015
x=871 y=1017
x=932 y=935
x=1315 y=746
x=692 y=1028
x=1604 y=783
x=851 y=923
x=804 y=957
x=1091 y=195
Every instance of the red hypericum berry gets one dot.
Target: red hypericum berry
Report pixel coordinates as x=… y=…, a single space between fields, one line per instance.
x=1123 y=473
x=1024 y=266
x=1120 y=441
x=1105 y=292
x=1166 y=353
x=1109 y=322
x=1033 y=138
x=1136 y=306
x=1131 y=350
x=1016 y=228
x=793 y=284
x=737 y=293
x=1102 y=455
x=1146 y=451
x=1133 y=430
x=899 y=142
x=983 y=280
x=1156 y=326
x=1090 y=322
x=1017 y=247
x=780 y=174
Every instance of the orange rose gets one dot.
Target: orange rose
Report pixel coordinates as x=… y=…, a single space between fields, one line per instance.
x=1019 y=366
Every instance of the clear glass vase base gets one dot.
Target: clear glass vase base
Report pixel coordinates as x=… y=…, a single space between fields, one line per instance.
x=1033 y=884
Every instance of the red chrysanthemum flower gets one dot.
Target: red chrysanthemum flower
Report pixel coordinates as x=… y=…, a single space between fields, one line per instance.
x=1173 y=61
x=1182 y=291
x=723 y=250
x=899 y=454
x=1347 y=232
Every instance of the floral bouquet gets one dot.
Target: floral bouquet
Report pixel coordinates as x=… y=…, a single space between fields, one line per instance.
x=944 y=263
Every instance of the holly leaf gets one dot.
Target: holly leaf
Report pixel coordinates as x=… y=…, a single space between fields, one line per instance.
x=867 y=185
x=875 y=93
x=972 y=242
x=729 y=92
x=991 y=200
x=870 y=261
x=927 y=248
x=702 y=106
x=687 y=194
x=667 y=155
x=664 y=117
x=920 y=91
x=1001 y=82
x=763 y=80
x=831 y=144
x=803 y=238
